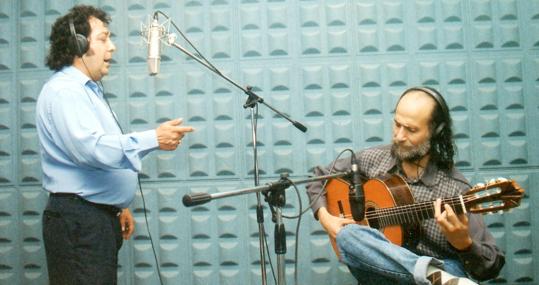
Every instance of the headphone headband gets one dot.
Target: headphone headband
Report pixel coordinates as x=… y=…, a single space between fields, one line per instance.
x=434 y=94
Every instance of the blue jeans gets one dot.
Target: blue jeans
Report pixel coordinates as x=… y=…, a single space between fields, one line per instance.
x=82 y=241
x=373 y=259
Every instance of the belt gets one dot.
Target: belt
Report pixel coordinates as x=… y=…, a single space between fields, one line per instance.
x=108 y=208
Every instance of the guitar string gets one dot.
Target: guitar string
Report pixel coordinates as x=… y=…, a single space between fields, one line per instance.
x=405 y=214
x=413 y=212
x=414 y=208
x=455 y=201
x=428 y=204
x=392 y=216
x=395 y=215
x=423 y=205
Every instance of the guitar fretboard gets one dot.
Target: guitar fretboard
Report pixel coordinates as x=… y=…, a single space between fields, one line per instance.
x=415 y=213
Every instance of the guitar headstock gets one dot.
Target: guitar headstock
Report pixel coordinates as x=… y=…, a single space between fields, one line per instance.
x=497 y=195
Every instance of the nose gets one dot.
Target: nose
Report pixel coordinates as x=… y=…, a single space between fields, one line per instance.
x=112 y=47
x=399 y=133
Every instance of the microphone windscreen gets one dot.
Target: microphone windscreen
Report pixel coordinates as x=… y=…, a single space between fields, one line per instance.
x=154 y=47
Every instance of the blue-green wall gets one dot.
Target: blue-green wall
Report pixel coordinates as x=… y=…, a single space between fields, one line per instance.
x=336 y=65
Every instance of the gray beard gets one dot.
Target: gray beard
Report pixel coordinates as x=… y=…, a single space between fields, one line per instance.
x=414 y=154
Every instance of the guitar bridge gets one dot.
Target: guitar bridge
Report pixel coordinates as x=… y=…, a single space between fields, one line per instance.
x=341 y=209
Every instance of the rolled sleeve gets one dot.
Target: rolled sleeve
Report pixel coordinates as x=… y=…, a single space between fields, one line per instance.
x=315 y=190
x=483 y=260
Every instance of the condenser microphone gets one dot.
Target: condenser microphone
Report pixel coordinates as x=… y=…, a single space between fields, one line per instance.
x=155 y=32
x=356 y=196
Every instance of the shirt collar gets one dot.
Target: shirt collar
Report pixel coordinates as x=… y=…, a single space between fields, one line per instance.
x=428 y=177
x=76 y=74
x=81 y=78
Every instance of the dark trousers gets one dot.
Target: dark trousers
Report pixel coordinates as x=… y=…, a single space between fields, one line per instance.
x=82 y=241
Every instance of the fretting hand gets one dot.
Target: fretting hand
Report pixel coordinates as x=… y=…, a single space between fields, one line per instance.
x=453 y=226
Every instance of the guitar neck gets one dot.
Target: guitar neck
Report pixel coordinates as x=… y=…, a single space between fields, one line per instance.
x=414 y=213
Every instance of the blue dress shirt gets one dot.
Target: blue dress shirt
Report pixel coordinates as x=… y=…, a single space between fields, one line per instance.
x=82 y=148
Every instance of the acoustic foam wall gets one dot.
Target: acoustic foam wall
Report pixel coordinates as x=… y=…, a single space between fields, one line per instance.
x=338 y=66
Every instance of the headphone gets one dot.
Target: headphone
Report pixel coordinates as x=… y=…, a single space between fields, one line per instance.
x=80 y=41
x=82 y=47
x=439 y=100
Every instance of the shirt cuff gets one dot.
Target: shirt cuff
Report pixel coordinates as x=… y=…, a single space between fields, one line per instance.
x=470 y=256
x=147 y=140
x=317 y=205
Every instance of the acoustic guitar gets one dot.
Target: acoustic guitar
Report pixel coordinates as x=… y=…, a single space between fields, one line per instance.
x=390 y=206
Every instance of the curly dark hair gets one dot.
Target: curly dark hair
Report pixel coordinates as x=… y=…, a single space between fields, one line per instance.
x=442 y=144
x=63 y=48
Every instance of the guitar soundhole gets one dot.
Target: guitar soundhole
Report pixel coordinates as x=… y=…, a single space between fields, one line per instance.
x=373 y=222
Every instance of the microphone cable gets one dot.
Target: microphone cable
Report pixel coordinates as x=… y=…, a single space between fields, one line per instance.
x=323 y=192
x=449 y=175
x=263 y=228
x=102 y=89
x=100 y=85
x=201 y=56
x=296 y=247
x=302 y=211
x=217 y=71
x=148 y=229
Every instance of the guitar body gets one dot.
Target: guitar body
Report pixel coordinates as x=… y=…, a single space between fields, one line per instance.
x=384 y=192
x=390 y=206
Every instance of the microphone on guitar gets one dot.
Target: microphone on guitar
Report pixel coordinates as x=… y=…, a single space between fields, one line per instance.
x=356 y=196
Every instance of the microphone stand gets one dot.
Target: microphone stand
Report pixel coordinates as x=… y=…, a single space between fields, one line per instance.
x=276 y=198
x=252 y=99
x=252 y=102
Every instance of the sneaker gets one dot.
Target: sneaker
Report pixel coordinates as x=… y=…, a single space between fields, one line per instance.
x=440 y=277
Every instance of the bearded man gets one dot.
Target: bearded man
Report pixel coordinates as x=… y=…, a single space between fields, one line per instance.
x=450 y=249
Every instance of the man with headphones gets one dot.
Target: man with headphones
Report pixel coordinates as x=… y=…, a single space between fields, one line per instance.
x=449 y=248
x=90 y=167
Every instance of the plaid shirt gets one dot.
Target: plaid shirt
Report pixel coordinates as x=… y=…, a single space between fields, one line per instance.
x=482 y=261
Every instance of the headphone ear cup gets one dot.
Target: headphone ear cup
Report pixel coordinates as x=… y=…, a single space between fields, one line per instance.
x=80 y=41
x=439 y=129
x=82 y=44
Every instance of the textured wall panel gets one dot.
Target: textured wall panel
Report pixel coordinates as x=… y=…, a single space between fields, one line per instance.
x=500 y=112
x=7 y=43
x=532 y=22
x=7 y=128
x=9 y=236
x=28 y=145
x=30 y=37
x=513 y=232
x=33 y=265
x=323 y=266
